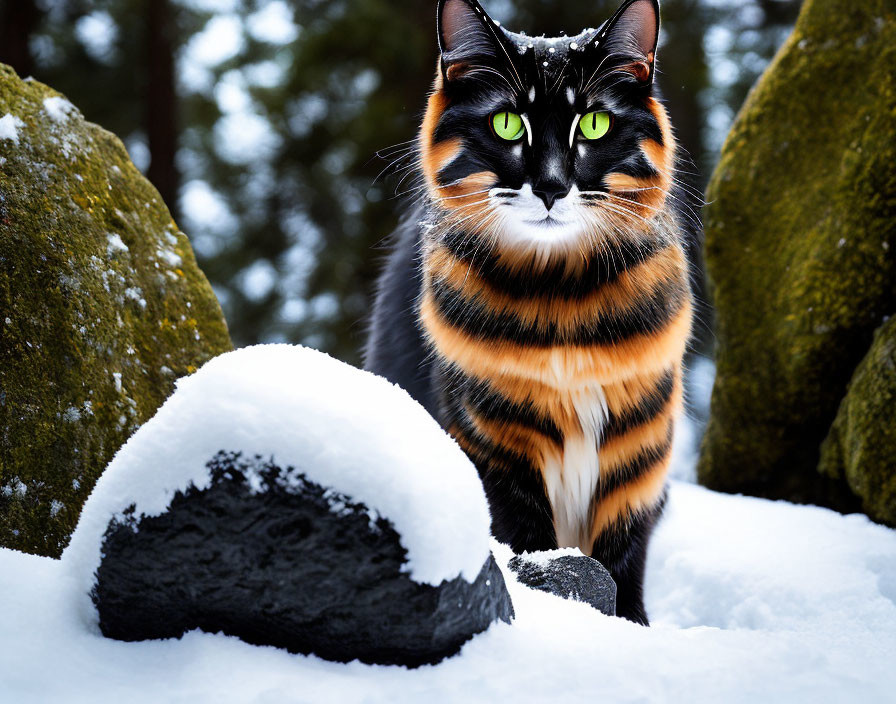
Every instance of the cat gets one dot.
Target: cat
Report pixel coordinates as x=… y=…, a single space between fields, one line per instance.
x=536 y=300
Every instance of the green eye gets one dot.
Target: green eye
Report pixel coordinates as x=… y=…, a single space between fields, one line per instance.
x=508 y=125
x=595 y=125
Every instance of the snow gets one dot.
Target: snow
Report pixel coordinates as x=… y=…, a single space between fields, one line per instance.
x=172 y=259
x=750 y=600
x=346 y=429
x=16 y=486
x=136 y=294
x=115 y=243
x=545 y=557
x=9 y=127
x=58 y=109
x=689 y=430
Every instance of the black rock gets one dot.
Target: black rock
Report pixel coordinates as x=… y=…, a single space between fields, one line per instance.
x=282 y=561
x=569 y=576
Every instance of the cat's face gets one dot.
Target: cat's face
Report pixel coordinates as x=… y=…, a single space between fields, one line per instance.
x=546 y=143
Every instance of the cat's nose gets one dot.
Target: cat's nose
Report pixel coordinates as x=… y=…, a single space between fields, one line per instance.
x=550 y=192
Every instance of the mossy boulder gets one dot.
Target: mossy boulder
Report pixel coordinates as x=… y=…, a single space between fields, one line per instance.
x=800 y=244
x=861 y=445
x=102 y=308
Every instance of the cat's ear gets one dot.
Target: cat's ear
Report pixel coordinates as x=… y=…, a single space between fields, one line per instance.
x=632 y=33
x=466 y=35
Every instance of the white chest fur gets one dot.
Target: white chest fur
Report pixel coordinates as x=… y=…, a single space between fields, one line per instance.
x=571 y=476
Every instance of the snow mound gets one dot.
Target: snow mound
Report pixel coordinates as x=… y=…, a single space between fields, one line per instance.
x=346 y=429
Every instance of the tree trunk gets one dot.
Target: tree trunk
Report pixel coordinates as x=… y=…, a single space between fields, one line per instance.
x=18 y=19
x=161 y=101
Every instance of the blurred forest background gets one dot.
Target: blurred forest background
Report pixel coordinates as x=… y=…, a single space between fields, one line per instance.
x=267 y=124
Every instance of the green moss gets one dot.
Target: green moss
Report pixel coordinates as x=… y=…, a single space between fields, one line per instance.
x=800 y=241
x=102 y=307
x=861 y=445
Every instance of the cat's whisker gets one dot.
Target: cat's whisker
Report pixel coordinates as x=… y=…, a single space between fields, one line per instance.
x=419 y=189
x=490 y=71
x=559 y=77
x=411 y=169
x=672 y=176
x=614 y=195
x=519 y=81
x=395 y=153
x=394 y=163
x=622 y=210
x=690 y=214
x=464 y=195
x=594 y=76
x=458 y=223
x=410 y=156
x=388 y=152
x=635 y=203
x=392 y=170
x=600 y=86
x=464 y=206
x=493 y=216
x=690 y=190
x=596 y=70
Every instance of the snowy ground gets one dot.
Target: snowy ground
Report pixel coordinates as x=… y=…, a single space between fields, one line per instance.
x=751 y=601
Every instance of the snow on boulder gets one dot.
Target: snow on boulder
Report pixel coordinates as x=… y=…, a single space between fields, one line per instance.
x=569 y=574
x=292 y=500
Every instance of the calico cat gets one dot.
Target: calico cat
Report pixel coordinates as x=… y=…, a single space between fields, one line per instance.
x=536 y=300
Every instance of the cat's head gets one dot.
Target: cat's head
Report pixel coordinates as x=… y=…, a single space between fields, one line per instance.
x=546 y=143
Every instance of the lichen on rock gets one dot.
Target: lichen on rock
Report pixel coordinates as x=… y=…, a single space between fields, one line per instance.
x=800 y=242
x=102 y=308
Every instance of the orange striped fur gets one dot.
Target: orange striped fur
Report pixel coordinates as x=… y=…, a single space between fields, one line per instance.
x=549 y=377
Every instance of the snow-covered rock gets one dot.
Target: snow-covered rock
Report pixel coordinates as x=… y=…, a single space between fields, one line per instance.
x=292 y=500
x=266 y=555
x=569 y=574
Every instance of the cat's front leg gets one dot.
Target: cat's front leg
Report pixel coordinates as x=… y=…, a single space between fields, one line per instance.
x=622 y=548
x=521 y=513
